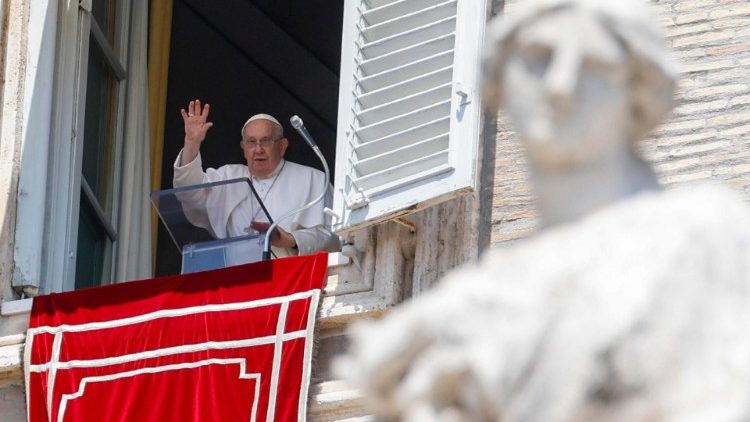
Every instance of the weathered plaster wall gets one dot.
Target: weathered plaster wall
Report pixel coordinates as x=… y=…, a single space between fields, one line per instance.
x=12 y=404
x=13 y=69
x=708 y=135
x=13 y=41
x=409 y=257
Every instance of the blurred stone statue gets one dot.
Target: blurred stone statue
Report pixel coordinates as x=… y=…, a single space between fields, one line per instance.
x=582 y=81
x=631 y=305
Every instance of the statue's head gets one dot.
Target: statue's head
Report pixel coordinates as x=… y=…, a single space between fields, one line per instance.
x=576 y=76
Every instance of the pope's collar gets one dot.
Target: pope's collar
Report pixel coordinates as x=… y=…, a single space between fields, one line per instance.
x=273 y=173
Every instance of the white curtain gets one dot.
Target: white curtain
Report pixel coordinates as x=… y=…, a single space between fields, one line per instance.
x=133 y=252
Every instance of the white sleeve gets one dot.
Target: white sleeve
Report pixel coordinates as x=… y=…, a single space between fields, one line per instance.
x=190 y=174
x=317 y=237
x=194 y=202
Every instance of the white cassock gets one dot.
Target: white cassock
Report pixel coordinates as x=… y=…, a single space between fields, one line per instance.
x=232 y=207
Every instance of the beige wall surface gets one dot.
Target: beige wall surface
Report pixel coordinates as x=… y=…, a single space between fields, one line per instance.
x=12 y=404
x=707 y=138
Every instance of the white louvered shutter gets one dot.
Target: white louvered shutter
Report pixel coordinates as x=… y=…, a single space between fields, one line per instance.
x=408 y=125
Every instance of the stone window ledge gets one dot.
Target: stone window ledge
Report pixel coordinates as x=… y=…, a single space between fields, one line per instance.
x=16 y=307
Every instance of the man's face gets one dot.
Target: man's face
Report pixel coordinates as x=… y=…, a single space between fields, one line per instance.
x=262 y=148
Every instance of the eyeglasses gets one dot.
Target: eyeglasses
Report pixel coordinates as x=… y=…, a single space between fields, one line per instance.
x=263 y=143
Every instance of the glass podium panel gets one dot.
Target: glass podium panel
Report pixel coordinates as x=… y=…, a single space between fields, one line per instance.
x=188 y=212
x=210 y=255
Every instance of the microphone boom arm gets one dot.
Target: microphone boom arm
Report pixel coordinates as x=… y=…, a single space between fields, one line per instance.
x=299 y=126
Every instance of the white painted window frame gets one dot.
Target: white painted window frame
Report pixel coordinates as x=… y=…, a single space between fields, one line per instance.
x=66 y=147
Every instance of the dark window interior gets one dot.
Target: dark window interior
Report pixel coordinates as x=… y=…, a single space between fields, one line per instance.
x=245 y=57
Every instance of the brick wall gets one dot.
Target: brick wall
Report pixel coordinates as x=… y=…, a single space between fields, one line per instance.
x=706 y=138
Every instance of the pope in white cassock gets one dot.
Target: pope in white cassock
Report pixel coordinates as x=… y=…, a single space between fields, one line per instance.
x=282 y=186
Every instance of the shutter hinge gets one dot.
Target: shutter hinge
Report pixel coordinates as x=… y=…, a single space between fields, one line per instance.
x=350 y=251
x=356 y=200
x=332 y=213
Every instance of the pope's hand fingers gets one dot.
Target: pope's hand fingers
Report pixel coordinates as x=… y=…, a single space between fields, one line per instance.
x=204 y=113
x=197 y=111
x=191 y=108
x=184 y=114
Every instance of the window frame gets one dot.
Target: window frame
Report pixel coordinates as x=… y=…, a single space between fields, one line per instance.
x=66 y=148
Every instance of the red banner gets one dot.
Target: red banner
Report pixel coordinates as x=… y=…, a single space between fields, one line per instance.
x=226 y=345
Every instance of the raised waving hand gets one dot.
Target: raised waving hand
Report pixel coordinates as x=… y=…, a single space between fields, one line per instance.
x=196 y=126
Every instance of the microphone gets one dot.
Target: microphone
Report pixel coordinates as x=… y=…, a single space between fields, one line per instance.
x=300 y=127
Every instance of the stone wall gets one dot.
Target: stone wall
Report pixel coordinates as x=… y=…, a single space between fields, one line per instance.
x=13 y=41
x=707 y=137
x=12 y=404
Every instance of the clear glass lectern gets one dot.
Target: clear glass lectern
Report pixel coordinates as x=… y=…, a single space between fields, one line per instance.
x=187 y=213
